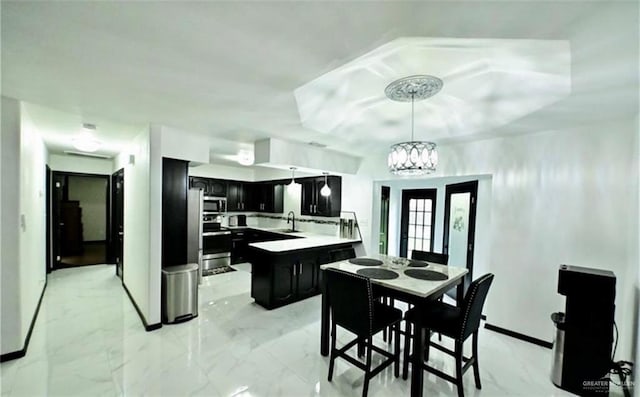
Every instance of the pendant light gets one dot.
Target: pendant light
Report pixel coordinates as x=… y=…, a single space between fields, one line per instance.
x=413 y=157
x=326 y=190
x=292 y=185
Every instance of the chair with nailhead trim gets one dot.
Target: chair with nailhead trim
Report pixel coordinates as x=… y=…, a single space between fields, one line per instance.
x=353 y=308
x=454 y=322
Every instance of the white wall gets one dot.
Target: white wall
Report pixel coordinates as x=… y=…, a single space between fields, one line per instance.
x=92 y=194
x=223 y=172
x=32 y=233
x=136 y=261
x=22 y=267
x=10 y=322
x=557 y=197
x=85 y=165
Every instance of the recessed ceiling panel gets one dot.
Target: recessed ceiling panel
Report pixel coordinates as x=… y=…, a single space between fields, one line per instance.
x=487 y=83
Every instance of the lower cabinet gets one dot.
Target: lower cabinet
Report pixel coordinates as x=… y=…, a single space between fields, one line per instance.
x=280 y=279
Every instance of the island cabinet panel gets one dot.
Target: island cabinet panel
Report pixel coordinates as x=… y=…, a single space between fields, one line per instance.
x=280 y=278
x=284 y=282
x=308 y=269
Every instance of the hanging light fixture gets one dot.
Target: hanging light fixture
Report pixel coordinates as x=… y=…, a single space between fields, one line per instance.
x=326 y=190
x=413 y=157
x=292 y=185
x=85 y=141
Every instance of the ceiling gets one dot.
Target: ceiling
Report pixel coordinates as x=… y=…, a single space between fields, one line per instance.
x=229 y=70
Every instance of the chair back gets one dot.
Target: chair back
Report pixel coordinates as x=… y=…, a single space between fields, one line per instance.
x=473 y=304
x=342 y=254
x=433 y=257
x=351 y=301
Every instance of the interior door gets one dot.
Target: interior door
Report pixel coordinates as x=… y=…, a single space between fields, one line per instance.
x=460 y=225
x=57 y=196
x=383 y=245
x=118 y=219
x=418 y=221
x=50 y=258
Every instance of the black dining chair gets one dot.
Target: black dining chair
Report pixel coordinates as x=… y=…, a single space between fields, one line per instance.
x=457 y=323
x=434 y=257
x=354 y=309
x=342 y=254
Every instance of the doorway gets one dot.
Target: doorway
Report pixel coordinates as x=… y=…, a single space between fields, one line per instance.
x=80 y=214
x=117 y=221
x=460 y=225
x=417 y=224
x=384 y=220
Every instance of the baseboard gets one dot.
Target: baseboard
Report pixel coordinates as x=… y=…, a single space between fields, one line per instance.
x=23 y=352
x=148 y=327
x=518 y=335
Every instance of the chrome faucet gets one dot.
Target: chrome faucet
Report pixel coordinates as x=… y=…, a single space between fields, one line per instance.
x=292 y=215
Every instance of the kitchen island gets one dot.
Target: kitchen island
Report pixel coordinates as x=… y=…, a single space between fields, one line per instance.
x=288 y=270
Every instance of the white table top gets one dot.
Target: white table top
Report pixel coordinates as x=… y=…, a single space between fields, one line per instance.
x=410 y=285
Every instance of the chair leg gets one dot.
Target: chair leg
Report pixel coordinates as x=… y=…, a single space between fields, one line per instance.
x=458 y=352
x=476 y=366
x=361 y=347
x=426 y=346
x=332 y=354
x=367 y=374
x=407 y=348
x=396 y=350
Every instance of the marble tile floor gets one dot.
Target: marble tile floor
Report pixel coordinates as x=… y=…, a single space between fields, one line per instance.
x=88 y=340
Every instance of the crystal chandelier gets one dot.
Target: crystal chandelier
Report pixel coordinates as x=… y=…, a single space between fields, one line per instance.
x=413 y=157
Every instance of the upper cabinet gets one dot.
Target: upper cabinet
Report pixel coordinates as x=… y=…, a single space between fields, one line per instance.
x=268 y=197
x=314 y=203
x=210 y=187
x=238 y=194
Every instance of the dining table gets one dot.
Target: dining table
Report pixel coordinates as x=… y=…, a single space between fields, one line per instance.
x=409 y=286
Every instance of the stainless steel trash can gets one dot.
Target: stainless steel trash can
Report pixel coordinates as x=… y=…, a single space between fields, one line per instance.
x=179 y=293
x=558 y=348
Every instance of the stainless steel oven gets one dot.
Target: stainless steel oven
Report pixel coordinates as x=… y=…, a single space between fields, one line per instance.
x=216 y=248
x=214 y=205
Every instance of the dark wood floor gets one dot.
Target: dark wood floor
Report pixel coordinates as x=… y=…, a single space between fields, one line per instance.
x=94 y=253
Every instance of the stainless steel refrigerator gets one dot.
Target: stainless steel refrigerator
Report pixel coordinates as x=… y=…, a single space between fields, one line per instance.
x=194 y=229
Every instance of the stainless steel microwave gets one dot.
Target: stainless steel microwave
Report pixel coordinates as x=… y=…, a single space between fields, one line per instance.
x=214 y=205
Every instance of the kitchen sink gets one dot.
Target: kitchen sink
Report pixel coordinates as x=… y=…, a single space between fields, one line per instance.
x=286 y=231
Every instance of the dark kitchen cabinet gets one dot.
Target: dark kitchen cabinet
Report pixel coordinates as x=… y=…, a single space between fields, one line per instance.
x=174 y=211
x=217 y=187
x=196 y=182
x=307 y=275
x=238 y=196
x=210 y=187
x=278 y=279
x=314 y=203
x=238 y=245
x=268 y=197
x=284 y=282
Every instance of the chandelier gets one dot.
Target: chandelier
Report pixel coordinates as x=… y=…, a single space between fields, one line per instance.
x=413 y=157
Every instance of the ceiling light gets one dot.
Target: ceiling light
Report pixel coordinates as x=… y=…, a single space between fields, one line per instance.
x=245 y=157
x=292 y=185
x=326 y=190
x=413 y=157
x=85 y=141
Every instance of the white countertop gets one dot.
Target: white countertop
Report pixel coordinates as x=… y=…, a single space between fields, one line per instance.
x=414 y=286
x=308 y=240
